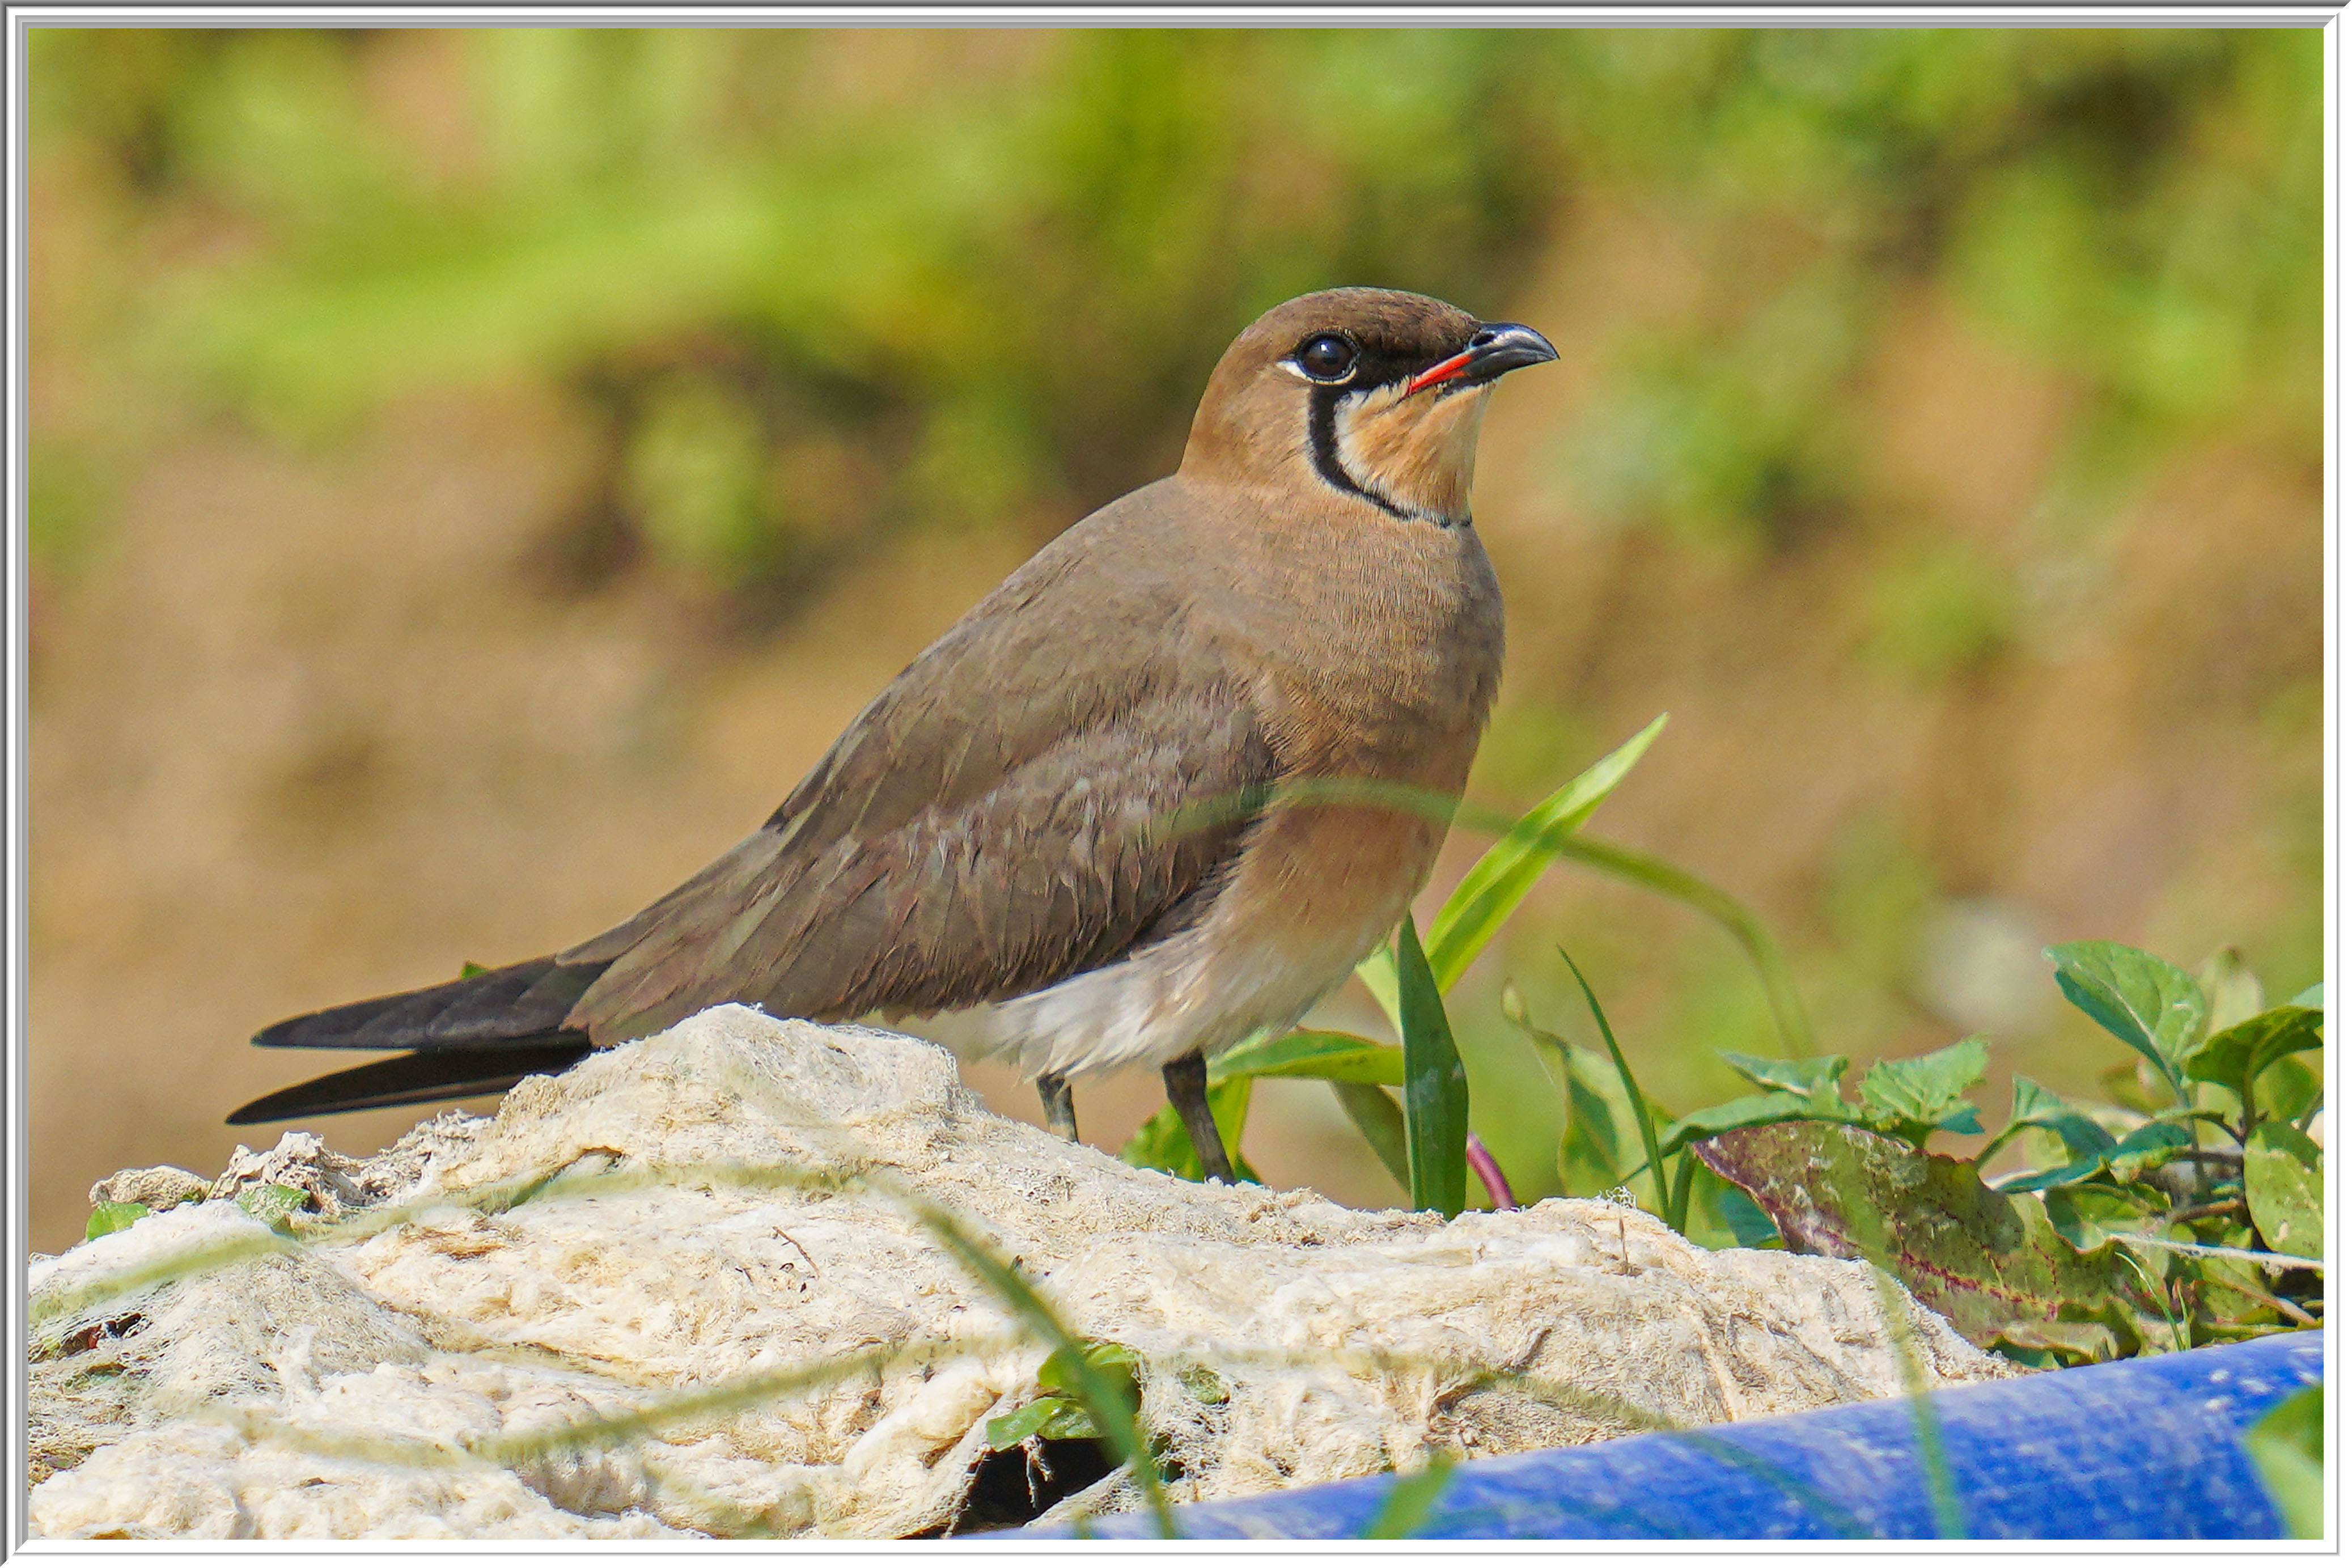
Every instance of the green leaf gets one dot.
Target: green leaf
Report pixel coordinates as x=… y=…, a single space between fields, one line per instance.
x=2076 y=1343
x=1059 y=1372
x=1803 y=1075
x=1114 y=1407
x=1590 y=1151
x=2031 y=1105
x=2086 y=1215
x=1920 y=1095
x=1982 y=1259
x=1436 y=1092
x=1748 y=1224
x=2233 y=992
x=1485 y=897
x=2239 y=1054
x=1376 y=1116
x=1747 y=1110
x=468 y=969
x=1073 y=1421
x=2060 y=1175
x=2144 y=1148
x=1409 y=1498
x=2288 y=1090
x=1062 y=1413
x=2284 y=1189
x=2153 y=1006
x=1205 y=1386
x=273 y=1204
x=2289 y=1445
x=1032 y=1419
x=1313 y=1053
x=107 y=1218
x=1161 y=1143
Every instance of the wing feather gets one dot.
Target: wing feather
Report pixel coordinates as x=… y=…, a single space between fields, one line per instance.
x=998 y=820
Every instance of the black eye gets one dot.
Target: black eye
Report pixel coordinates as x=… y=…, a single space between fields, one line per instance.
x=1325 y=356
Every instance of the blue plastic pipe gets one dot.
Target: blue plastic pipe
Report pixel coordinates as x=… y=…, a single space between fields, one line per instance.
x=2145 y=1449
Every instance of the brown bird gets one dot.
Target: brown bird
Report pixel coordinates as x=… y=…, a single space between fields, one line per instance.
x=1004 y=831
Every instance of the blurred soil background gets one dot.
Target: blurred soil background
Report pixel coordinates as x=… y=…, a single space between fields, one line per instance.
x=474 y=473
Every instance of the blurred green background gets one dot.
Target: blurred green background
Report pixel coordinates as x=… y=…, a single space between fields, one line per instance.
x=474 y=472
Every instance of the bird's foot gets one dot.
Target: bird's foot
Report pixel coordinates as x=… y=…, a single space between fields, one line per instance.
x=1187 y=1078
x=1061 y=1112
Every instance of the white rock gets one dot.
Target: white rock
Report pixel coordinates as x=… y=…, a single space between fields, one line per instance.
x=737 y=1202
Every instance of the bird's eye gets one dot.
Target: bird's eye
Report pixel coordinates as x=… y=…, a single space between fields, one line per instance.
x=1325 y=356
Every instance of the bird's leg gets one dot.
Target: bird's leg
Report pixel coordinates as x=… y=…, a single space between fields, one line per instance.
x=1187 y=1078
x=1060 y=1112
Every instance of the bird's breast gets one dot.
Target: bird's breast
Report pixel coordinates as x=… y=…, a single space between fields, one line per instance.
x=1383 y=678
x=1389 y=660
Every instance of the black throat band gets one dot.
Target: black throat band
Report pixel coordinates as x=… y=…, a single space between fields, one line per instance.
x=1323 y=443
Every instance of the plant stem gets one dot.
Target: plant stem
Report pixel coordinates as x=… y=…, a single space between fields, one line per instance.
x=1498 y=1191
x=1678 y=1209
x=2206 y=1211
x=1625 y=1076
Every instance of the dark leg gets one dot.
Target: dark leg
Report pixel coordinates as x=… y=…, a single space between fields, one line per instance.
x=1187 y=1078
x=1061 y=1114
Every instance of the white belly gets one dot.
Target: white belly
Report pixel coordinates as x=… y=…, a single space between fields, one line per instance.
x=1317 y=888
x=1148 y=1010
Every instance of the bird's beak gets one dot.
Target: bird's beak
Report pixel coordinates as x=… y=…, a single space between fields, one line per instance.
x=1495 y=347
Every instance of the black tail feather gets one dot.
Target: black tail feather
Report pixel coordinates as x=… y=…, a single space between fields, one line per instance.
x=480 y=1035
x=454 y=1072
x=523 y=1003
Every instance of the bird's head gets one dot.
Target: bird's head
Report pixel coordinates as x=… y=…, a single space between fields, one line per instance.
x=1369 y=392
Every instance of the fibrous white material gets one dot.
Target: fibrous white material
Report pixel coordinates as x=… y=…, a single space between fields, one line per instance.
x=696 y=1285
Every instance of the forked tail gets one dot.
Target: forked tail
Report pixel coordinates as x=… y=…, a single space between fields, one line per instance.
x=480 y=1035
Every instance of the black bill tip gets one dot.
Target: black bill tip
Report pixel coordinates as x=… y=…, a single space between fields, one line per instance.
x=1500 y=347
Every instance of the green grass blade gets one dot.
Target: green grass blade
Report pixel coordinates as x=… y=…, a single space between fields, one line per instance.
x=1943 y=1496
x=1377 y=972
x=1436 y=1092
x=1313 y=1053
x=1376 y=1116
x=1588 y=1125
x=1678 y=1209
x=1872 y=1241
x=2288 y=1446
x=1408 y=1500
x=1659 y=876
x=1112 y=1405
x=693 y=1404
x=1494 y=887
x=1641 y=1118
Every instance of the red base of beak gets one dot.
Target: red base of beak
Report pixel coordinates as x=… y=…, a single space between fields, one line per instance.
x=1442 y=371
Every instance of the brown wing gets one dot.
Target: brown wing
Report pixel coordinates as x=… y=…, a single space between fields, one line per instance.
x=1006 y=813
